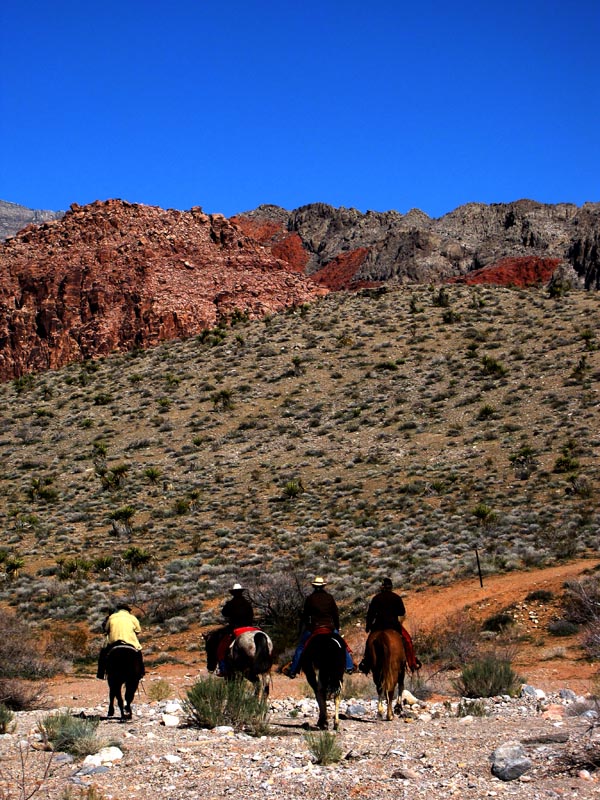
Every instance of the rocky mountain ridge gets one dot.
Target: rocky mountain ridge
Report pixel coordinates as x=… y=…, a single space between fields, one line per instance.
x=113 y=275
x=14 y=217
x=414 y=248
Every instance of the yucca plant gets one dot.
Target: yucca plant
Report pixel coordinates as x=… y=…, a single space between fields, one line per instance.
x=213 y=701
x=324 y=747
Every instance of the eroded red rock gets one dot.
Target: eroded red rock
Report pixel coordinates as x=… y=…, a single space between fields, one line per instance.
x=522 y=271
x=113 y=275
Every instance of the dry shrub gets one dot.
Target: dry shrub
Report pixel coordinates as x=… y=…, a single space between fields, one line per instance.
x=279 y=600
x=69 y=642
x=20 y=664
x=582 y=600
x=19 y=695
x=450 y=643
x=582 y=752
x=19 y=654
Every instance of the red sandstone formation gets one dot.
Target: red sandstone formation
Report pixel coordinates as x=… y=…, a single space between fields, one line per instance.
x=272 y=234
x=114 y=275
x=520 y=271
x=340 y=271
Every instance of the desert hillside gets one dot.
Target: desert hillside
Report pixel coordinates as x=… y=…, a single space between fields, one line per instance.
x=370 y=434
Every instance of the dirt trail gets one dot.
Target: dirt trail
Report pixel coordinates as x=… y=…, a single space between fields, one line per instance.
x=429 y=606
x=547 y=662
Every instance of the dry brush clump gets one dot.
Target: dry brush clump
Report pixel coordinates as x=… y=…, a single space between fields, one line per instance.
x=365 y=435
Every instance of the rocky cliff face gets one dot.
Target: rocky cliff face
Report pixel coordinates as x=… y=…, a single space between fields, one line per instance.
x=374 y=247
x=111 y=276
x=14 y=217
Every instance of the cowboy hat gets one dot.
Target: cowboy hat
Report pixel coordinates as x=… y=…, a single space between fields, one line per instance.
x=237 y=587
x=319 y=581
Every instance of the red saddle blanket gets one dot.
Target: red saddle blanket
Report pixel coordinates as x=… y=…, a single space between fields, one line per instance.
x=247 y=629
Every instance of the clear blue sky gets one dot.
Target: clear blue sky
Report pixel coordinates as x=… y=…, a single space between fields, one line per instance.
x=376 y=105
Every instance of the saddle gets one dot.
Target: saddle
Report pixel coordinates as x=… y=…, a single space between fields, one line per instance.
x=320 y=632
x=120 y=645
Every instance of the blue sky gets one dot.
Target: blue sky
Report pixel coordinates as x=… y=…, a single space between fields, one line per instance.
x=381 y=105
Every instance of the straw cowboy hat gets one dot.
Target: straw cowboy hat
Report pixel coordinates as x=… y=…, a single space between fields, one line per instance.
x=319 y=581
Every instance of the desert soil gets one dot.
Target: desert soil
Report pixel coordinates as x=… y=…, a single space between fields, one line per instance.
x=430 y=753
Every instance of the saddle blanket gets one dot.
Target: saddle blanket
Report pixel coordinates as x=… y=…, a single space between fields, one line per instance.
x=247 y=629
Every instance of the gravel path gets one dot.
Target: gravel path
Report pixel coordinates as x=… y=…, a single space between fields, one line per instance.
x=430 y=753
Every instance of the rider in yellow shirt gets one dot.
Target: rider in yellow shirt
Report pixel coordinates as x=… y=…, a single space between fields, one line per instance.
x=120 y=627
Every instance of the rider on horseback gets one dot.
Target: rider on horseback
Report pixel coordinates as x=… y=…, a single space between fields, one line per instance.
x=386 y=612
x=239 y=613
x=121 y=626
x=320 y=612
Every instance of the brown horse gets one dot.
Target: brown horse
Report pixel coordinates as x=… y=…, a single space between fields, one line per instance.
x=386 y=651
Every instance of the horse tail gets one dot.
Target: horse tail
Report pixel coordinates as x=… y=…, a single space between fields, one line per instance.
x=389 y=665
x=263 y=660
x=336 y=665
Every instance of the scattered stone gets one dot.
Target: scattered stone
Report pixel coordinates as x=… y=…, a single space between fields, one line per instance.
x=409 y=699
x=560 y=737
x=169 y=720
x=509 y=761
x=356 y=710
x=567 y=694
x=553 y=712
x=405 y=774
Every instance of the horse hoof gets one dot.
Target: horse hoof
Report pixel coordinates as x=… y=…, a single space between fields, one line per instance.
x=111 y=712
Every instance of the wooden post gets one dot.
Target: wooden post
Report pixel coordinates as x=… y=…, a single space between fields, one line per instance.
x=479 y=568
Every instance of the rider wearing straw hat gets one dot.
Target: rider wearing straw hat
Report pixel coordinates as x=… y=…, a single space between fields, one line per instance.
x=320 y=612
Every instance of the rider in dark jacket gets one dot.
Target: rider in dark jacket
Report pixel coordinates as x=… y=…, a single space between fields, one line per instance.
x=238 y=610
x=320 y=611
x=386 y=612
x=239 y=613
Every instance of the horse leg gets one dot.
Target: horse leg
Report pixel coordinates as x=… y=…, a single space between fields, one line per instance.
x=322 y=703
x=390 y=703
x=111 y=701
x=336 y=713
x=130 y=690
x=401 y=673
x=120 y=701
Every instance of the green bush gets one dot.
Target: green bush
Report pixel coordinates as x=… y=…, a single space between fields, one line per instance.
x=6 y=718
x=324 y=747
x=471 y=708
x=562 y=627
x=541 y=595
x=213 y=701
x=487 y=677
x=69 y=734
x=498 y=622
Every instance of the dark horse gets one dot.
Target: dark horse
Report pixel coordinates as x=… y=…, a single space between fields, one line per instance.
x=324 y=664
x=386 y=652
x=123 y=667
x=250 y=655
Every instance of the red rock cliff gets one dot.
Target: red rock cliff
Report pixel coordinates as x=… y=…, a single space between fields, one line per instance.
x=113 y=275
